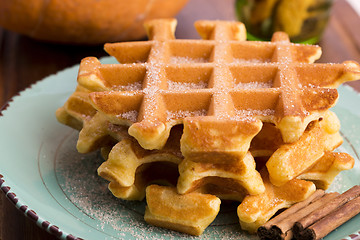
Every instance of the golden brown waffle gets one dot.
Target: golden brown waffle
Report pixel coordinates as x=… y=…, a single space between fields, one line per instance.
x=269 y=139
x=160 y=172
x=95 y=129
x=233 y=99
x=257 y=209
x=325 y=169
x=76 y=109
x=97 y=132
x=292 y=159
x=210 y=83
x=234 y=181
x=130 y=168
x=190 y=213
x=227 y=181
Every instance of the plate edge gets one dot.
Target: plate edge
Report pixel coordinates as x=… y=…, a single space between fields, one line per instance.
x=32 y=215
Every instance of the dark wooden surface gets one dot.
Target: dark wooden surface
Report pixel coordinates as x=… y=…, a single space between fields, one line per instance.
x=24 y=61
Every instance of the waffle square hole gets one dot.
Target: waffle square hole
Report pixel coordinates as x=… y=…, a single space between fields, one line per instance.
x=187 y=77
x=130 y=112
x=252 y=52
x=247 y=103
x=120 y=105
x=189 y=52
x=301 y=53
x=318 y=75
x=253 y=77
x=123 y=77
x=129 y=52
x=190 y=104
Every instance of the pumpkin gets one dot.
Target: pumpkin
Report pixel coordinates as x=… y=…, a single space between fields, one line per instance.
x=84 y=21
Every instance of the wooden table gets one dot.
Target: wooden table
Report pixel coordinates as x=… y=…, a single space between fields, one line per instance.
x=24 y=61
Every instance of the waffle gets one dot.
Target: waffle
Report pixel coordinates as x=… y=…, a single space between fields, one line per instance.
x=209 y=83
x=76 y=109
x=95 y=130
x=160 y=172
x=291 y=159
x=234 y=181
x=269 y=139
x=229 y=182
x=255 y=210
x=238 y=179
x=241 y=106
x=130 y=168
x=324 y=171
x=190 y=213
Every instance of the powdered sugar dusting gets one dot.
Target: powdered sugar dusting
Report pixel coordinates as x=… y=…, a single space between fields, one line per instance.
x=129 y=87
x=253 y=85
x=77 y=177
x=186 y=85
x=179 y=60
x=153 y=77
x=250 y=61
x=184 y=113
x=254 y=112
x=309 y=85
x=130 y=115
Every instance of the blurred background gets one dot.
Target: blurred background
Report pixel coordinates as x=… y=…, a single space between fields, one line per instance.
x=36 y=41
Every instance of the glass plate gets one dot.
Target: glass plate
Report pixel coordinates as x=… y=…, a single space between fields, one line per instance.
x=45 y=177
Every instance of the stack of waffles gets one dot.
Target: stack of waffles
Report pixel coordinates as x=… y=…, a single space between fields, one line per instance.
x=188 y=123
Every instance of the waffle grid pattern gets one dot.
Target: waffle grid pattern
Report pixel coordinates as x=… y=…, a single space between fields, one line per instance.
x=165 y=80
x=227 y=96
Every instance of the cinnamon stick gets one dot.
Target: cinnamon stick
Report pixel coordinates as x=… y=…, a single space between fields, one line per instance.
x=321 y=212
x=282 y=227
x=333 y=220
x=264 y=231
